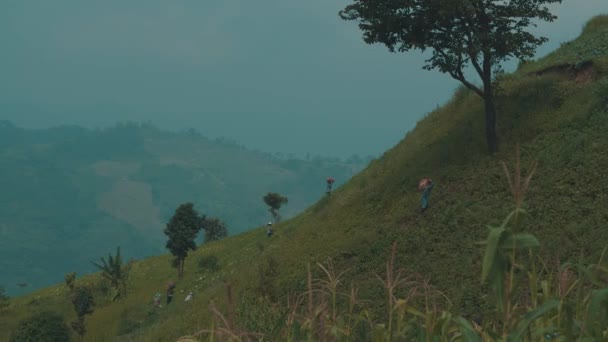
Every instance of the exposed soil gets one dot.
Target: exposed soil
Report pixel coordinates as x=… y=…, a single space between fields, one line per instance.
x=581 y=74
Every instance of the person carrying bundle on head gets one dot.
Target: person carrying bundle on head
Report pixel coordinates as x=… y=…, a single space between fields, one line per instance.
x=425 y=185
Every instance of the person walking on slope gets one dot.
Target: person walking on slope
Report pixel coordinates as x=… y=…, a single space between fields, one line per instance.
x=269 y=230
x=157 y=300
x=425 y=185
x=330 y=181
x=170 y=289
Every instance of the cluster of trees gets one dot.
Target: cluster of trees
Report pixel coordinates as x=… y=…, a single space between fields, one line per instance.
x=182 y=230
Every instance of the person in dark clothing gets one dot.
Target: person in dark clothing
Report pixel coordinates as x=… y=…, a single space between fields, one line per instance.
x=170 y=290
x=269 y=230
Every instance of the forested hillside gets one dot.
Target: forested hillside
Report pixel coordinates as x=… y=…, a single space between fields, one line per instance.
x=69 y=194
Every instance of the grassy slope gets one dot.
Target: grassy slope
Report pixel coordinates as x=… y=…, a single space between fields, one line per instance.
x=554 y=117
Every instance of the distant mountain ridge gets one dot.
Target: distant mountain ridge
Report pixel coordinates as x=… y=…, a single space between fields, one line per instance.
x=68 y=187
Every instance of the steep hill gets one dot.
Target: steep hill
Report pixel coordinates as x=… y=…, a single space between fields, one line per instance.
x=69 y=187
x=556 y=108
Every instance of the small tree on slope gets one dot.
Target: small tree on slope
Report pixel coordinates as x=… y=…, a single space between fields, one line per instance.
x=481 y=33
x=275 y=201
x=182 y=230
x=116 y=273
x=214 y=229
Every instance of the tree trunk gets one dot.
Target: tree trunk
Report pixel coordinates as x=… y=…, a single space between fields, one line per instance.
x=490 y=108
x=491 y=138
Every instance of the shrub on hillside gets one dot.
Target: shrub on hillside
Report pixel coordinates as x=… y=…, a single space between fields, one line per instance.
x=209 y=263
x=44 y=327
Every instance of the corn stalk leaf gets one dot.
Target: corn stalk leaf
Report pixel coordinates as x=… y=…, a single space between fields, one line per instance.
x=597 y=314
x=491 y=253
x=522 y=326
x=467 y=330
x=520 y=241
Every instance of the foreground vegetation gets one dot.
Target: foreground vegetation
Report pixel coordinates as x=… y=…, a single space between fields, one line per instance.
x=532 y=301
x=558 y=115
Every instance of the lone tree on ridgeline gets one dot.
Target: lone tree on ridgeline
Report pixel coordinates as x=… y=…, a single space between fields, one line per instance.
x=481 y=33
x=182 y=230
x=275 y=201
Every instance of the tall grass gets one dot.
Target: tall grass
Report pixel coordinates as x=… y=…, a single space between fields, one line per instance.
x=532 y=300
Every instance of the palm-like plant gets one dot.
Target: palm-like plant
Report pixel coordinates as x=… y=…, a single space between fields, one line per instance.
x=116 y=272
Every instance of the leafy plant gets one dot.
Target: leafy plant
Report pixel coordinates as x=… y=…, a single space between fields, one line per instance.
x=518 y=190
x=116 y=273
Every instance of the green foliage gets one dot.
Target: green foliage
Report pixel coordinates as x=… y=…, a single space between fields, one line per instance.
x=214 y=229
x=275 y=201
x=268 y=271
x=136 y=318
x=181 y=231
x=209 y=263
x=592 y=46
x=259 y=314
x=70 y=280
x=328 y=310
x=116 y=273
x=45 y=326
x=601 y=91
x=458 y=33
x=82 y=300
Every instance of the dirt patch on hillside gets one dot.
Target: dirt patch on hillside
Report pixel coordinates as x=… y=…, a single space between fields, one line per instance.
x=581 y=73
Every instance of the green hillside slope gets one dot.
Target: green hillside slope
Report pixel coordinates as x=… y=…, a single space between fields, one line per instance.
x=66 y=188
x=556 y=108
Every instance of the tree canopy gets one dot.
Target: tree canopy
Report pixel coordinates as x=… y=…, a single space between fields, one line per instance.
x=460 y=33
x=214 y=229
x=275 y=201
x=182 y=230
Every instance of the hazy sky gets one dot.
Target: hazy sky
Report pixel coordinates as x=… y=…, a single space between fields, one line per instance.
x=276 y=75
